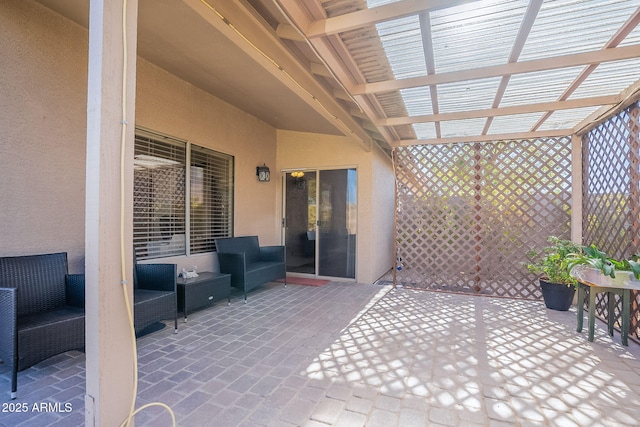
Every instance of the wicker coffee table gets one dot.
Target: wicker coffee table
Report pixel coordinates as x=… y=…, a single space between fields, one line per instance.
x=202 y=291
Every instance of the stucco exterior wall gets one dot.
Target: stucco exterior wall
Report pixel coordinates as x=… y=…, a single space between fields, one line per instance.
x=43 y=106
x=382 y=218
x=43 y=137
x=374 y=255
x=174 y=107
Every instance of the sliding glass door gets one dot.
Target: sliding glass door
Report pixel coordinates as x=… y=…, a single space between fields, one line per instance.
x=320 y=222
x=300 y=222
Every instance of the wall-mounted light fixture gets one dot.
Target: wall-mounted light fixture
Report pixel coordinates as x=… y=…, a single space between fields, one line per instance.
x=263 y=173
x=297 y=179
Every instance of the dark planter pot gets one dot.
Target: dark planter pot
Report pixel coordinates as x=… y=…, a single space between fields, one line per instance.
x=557 y=296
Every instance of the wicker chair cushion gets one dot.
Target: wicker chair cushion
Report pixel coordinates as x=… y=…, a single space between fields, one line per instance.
x=47 y=334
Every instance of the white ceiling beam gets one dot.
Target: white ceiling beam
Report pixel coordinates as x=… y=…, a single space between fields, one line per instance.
x=564 y=61
x=339 y=93
x=289 y=32
x=523 y=34
x=319 y=69
x=387 y=133
x=485 y=138
x=502 y=111
x=371 y=128
x=362 y=18
x=430 y=62
x=359 y=114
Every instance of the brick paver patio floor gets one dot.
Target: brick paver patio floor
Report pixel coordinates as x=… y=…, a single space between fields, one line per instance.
x=362 y=355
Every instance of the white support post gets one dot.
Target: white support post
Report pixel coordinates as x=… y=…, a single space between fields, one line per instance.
x=109 y=350
x=576 y=190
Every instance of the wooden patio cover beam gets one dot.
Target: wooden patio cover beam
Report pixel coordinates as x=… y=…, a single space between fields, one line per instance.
x=523 y=34
x=503 y=111
x=484 y=138
x=362 y=18
x=552 y=63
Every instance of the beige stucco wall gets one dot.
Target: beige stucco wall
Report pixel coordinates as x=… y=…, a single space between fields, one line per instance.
x=382 y=213
x=172 y=106
x=43 y=104
x=374 y=255
x=43 y=136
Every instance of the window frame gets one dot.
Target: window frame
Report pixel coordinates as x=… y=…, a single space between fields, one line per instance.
x=215 y=167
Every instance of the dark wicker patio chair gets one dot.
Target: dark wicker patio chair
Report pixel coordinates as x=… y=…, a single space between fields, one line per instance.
x=41 y=311
x=250 y=264
x=154 y=294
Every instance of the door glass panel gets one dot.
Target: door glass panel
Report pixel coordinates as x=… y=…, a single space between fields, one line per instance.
x=337 y=223
x=300 y=222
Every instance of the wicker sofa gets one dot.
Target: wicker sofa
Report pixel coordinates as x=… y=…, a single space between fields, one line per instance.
x=41 y=311
x=250 y=264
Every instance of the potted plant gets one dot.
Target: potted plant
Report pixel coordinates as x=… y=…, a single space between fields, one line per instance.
x=551 y=264
x=594 y=266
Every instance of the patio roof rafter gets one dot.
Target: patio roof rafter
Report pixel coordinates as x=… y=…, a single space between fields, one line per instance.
x=365 y=17
x=429 y=57
x=615 y=40
x=516 y=50
x=486 y=138
x=503 y=111
x=545 y=64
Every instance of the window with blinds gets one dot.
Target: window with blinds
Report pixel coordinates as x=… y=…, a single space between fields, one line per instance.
x=211 y=198
x=163 y=223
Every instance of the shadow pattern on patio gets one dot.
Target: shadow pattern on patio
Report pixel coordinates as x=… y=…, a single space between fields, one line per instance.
x=350 y=354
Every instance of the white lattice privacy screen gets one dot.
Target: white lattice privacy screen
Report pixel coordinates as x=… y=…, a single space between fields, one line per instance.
x=466 y=214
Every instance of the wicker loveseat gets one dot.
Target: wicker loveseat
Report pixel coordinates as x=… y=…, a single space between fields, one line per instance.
x=249 y=264
x=41 y=311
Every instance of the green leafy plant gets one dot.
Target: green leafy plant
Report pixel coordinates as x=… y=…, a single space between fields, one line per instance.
x=595 y=258
x=551 y=263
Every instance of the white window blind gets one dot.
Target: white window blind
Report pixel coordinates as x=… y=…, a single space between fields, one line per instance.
x=161 y=189
x=211 y=198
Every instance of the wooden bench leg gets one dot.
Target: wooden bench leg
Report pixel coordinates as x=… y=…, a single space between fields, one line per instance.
x=624 y=324
x=611 y=310
x=592 y=311
x=581 y=289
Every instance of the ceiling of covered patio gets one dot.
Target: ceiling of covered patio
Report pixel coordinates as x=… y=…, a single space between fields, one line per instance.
x=400 y=72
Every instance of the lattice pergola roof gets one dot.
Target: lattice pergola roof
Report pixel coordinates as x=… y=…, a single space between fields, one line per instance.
x=435 y=71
